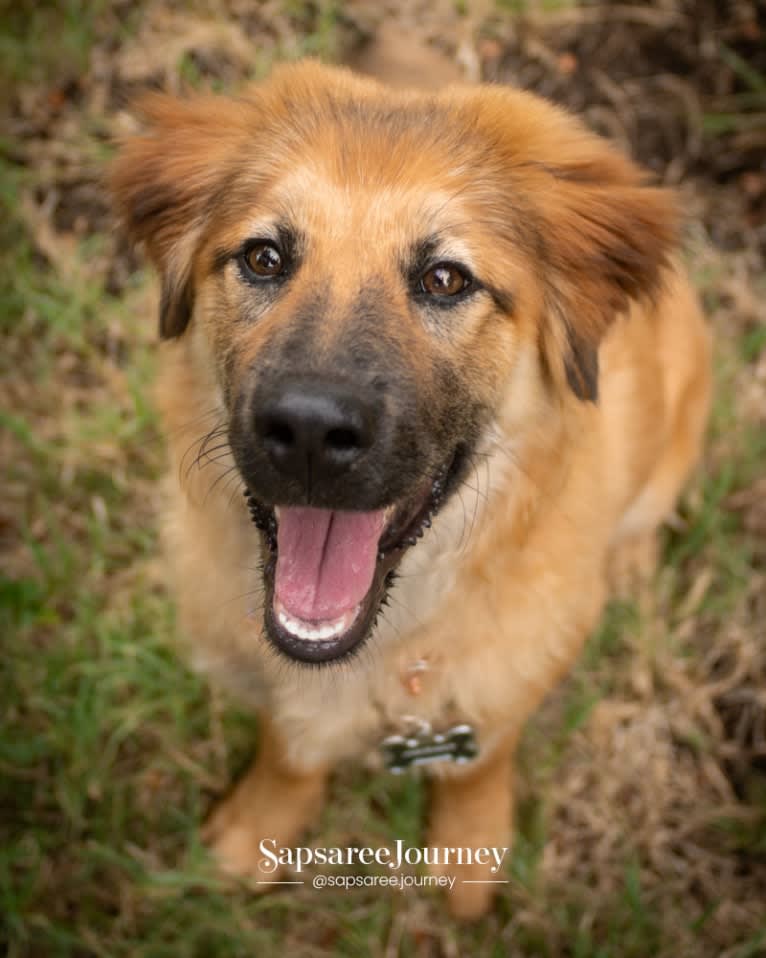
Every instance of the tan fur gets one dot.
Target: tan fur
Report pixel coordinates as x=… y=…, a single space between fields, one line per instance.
x=499 y=596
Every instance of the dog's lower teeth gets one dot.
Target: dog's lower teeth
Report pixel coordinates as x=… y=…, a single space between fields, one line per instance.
x=321 y=631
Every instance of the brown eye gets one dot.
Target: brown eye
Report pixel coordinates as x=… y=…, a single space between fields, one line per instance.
x=444 y=279
x=264 y=259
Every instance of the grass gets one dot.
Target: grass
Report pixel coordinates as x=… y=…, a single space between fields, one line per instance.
x=111 y=750
x=61 y=36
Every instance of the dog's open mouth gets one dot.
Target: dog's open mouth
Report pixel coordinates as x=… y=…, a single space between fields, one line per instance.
x=327 y=570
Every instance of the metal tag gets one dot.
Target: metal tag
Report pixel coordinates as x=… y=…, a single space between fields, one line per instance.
x=458 y=744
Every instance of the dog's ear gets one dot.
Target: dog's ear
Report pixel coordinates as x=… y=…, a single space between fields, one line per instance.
x=164 y=181
x=606 y=239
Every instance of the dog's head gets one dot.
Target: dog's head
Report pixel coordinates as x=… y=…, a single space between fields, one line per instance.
x=374 y=276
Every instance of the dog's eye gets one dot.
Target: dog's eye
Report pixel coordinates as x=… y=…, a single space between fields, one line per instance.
x=444 y=279
x=264 y=259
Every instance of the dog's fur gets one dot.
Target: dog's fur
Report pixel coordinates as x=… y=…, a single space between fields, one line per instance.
x=578 y=374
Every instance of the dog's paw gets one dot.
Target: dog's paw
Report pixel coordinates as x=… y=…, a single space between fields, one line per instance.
x=233 y=835
x=265 y=812
x=470 y=897
x=632 y=564
x=475 y=883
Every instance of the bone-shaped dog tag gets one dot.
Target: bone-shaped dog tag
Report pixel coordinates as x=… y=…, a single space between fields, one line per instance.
x=458 y=744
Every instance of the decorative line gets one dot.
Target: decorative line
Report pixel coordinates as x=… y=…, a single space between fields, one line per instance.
x=279 y=883
x=485 y=881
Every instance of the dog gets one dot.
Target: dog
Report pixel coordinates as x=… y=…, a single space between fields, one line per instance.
x=430 y=366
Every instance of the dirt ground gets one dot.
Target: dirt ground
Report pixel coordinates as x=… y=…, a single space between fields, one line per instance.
x=642 y=825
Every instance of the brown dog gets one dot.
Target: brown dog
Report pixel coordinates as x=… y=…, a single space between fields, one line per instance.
x=443 y=343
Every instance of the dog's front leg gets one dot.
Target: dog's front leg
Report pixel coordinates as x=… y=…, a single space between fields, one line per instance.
x=273 y=804
x=472 y=808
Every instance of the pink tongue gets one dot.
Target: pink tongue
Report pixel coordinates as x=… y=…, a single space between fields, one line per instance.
x=325 y=560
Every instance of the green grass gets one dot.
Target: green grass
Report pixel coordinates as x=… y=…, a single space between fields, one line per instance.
x=42 y=40
x=111 y=750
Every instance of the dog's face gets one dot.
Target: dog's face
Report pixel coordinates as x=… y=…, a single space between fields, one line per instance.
x=375 y=278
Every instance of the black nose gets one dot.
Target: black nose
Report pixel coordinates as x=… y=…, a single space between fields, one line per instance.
x=313 y=430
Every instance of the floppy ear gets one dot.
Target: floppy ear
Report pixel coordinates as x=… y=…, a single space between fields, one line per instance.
x=164 y=182
x=607 y=239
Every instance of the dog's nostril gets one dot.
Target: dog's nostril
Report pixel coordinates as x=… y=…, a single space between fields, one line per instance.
x=342 y=440
x=279 y=433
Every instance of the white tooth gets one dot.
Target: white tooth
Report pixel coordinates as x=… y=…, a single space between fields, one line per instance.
x=314 y=631
x=277 y=512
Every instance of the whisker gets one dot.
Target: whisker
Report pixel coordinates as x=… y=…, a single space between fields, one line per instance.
x=208 y=454
x=462 y=531
x=216 y=432
x=231 y=481
x=212 y=460
x=212 y=436
x=477 y=496
x=396 y=599
x=190 y=422
x=224 y=474
x=257 y=593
